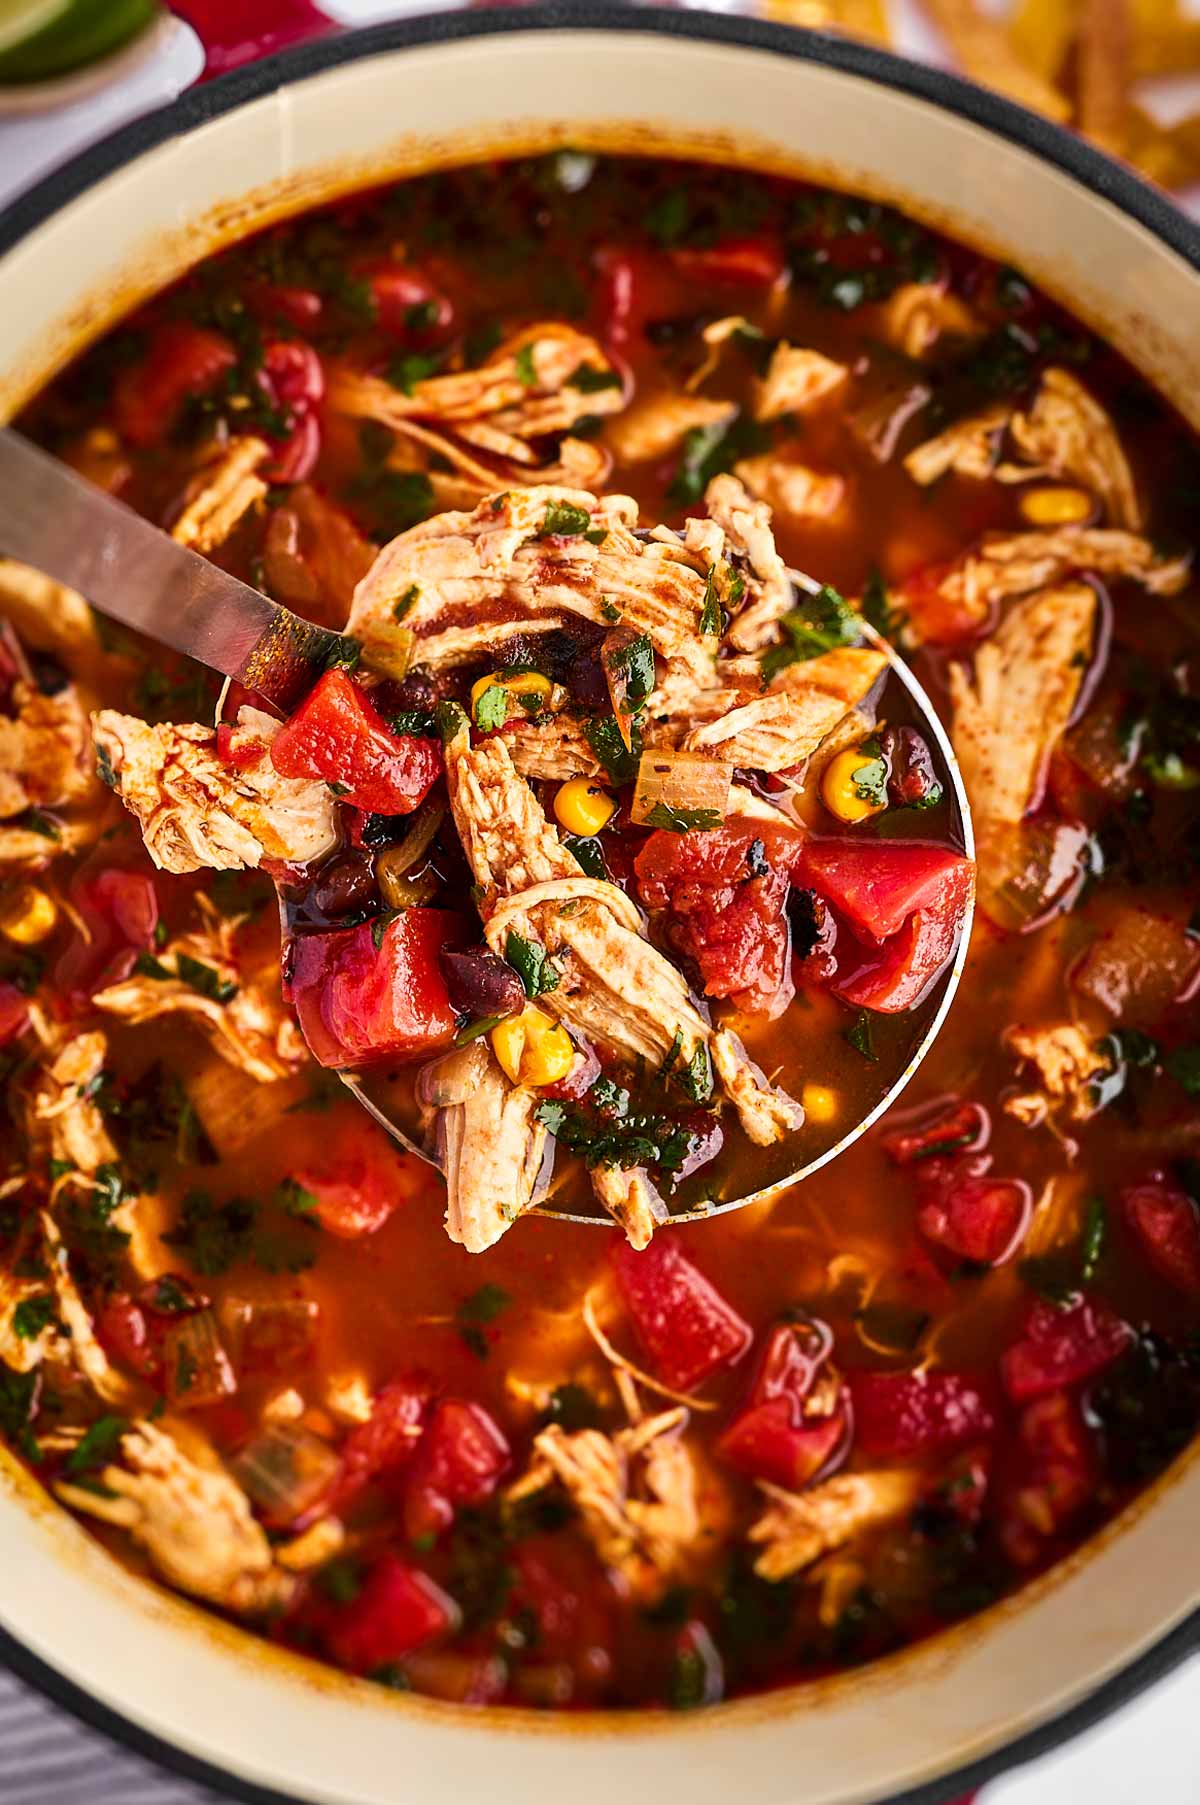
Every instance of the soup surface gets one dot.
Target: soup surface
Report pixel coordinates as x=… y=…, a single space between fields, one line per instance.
x=625 y=869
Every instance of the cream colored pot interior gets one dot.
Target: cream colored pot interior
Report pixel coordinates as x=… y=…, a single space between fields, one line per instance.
x=209 y=1690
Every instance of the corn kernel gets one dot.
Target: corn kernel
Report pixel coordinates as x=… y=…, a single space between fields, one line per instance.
x=532 y=1048
x=27 y=915
x=820 y=1103
x=841 y=791
x=1058 y=506
x=583 y=807
x=517 y=683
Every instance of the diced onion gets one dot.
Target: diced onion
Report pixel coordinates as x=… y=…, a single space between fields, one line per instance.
x=195 y=1363
x=401 y=892
x=285 y=1470
x=409 y=851
x=391 y=652
x=267 y=1334
x=682 y=782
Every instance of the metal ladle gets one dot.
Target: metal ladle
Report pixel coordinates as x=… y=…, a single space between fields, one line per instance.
x=129 y=570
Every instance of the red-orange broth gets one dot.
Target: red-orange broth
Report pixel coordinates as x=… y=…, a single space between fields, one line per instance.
x=344 y=1360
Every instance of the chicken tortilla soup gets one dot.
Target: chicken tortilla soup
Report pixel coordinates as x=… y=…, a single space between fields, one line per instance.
x=610 y=854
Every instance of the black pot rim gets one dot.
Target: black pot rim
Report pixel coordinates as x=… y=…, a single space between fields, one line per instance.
x=1086 y=165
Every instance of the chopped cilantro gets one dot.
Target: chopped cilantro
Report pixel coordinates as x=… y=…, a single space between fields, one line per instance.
x=1184 y=1066
x=414 y=366
x=634 y=663
x=688 y=1688
x=861 y=1037
x=877 y=608
x=564 y=520
x=19 y=1396
x=98 y=1444
x=1095 y=1234
x=205 y=979
x=395 y=499
x=712 y=619
x=573 y=1408
x=619 y=760
x=407 y=600
x=380 y=926
x=617 y=1139
x=340 y=1580
x=820 y=623
x=476 y=1029
x=526 y=368
x=214 y=1236
x=590 y=381
x=147 y=966
x=33 y=1315
x=104 y=769
x=708 y=450
x=450 y=718
x=36 y=821
x=589 y=853
x=871 y=777
x=415 y=721
x=491 y=710
x=343 y=654
x=668 y=219
x=475 y=1312
x=295 y=1200
x=683 y=820
x=537 y=973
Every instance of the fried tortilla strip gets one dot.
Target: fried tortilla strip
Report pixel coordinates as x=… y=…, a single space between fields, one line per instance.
x=1103 y=60
x=984 y=49
x=656 y=426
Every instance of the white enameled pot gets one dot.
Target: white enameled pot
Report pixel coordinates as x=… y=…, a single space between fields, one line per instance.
x=265 y=141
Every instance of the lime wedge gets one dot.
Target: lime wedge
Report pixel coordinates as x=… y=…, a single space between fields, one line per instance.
x=21 y=19
x=41 y=39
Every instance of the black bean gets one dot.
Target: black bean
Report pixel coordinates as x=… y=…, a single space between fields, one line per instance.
x=481 y=983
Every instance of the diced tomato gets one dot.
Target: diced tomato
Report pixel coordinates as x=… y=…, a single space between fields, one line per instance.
x=726 y=895
x=1055 y=1476
x=682 y=1322
x=1166 y=1223
x=554 y=1585
x=1062 y=1347
x=124 y=1334
x=387 y=1440
x=361 y=1183
x=338 y=735
x=981 y=1219
x=120 y=909
x=897 y=1414
x=741 y=262
x=938 y=620
x=358 y=1002
x=14 y=1013
x=294 y=380
x=399 y=1609
x=181 y=361
x=879 y=886
x=407 y=302
x=459 y=1462
x=962 y=1490
x=793 y=1423
x=635 y=286
x=299 y=307
x=912 y=897
x=959 y=1128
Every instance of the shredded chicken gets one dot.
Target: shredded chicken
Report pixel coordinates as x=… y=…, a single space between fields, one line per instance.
x=918 y=314
x=795 y=379
x=1066 y=1064
x=245 y=1022
x=523 y=394
x=196 y=810
x=45 y=613
x=635 y=1492
x=797 y=1528
x=552 y=749
x=614 y=988
x=231 y=487
x=746 y=524
x=464 y=572
x=87 y=1356
x=657 y=425
x=1067 y=433
x=1009 y=714
x=43 y=751
x=632 y=1200
x=194 y=1523
x=791 y=488
x=489 y=1145
x=969 y=447
x=778 y=729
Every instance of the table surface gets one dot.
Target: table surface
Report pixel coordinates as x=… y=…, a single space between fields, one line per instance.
x=1148 y=1754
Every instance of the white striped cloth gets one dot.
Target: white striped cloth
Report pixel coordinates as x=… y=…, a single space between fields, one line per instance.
x=47 y=1758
